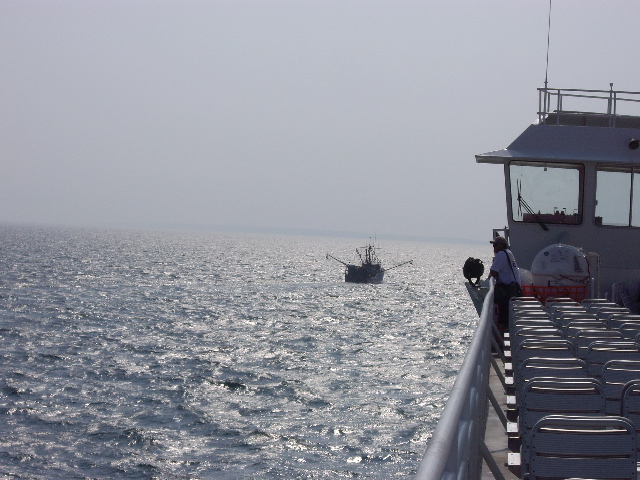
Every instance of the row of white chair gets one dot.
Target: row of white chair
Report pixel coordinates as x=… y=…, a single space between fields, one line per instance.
x=576 y=389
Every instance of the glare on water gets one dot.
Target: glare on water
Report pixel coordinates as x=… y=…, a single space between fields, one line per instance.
x=211 y=355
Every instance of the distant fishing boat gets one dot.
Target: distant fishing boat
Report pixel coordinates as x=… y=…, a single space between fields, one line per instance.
x=370 y=269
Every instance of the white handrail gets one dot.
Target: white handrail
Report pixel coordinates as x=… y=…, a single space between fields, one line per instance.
x=453 y=451
x=612 y=97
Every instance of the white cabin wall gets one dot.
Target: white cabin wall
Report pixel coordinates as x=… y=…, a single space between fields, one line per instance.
x=617 y=247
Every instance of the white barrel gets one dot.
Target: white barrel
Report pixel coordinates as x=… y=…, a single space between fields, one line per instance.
x=525 y=277
x=560 y=265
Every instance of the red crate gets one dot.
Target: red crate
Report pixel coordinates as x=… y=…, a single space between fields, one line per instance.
x=578 y=293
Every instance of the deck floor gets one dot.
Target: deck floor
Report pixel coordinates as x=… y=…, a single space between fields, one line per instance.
x=495 y=435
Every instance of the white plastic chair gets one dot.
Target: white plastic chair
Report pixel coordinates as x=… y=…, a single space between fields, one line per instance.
x=582 y=447
x=615 y=375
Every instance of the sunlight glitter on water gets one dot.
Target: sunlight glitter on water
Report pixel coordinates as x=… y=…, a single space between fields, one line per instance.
x=138 y=354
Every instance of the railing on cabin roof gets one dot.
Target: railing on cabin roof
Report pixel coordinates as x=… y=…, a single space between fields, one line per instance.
x=551 y=107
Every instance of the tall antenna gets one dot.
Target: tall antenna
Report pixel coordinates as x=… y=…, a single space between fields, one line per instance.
x=546 y=72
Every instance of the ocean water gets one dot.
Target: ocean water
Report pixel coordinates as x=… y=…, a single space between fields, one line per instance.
x=155 y=355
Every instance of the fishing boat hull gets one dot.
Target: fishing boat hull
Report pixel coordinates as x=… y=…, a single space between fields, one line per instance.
x=363 y=274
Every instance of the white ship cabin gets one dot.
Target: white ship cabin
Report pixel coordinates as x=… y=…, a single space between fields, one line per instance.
x=572 y=181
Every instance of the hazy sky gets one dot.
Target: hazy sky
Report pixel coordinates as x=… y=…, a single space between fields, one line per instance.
x=332 y=115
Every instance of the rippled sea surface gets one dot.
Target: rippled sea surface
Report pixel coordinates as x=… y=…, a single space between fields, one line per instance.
x=154 y=355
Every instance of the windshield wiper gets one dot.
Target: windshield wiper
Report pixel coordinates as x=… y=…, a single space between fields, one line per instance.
x=523 y=203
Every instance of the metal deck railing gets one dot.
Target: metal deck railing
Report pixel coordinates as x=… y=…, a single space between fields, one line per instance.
x=553 y=111
x=457 y=447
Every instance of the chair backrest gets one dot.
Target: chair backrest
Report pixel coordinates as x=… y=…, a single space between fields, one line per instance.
x=527 y=322
x=558 y=396
x=589 y=301
x=537 y=333
x=629 y=330
x=533 y=318
x=558 y=310
x=553 y=300
x=630 y=405
x=516 y=314
x=606 y=312
x=617 y=319
x=541 y=367
x=615 y=375
x=595 y=307
x=582 y=447
x=575 y=326
x=516 y=304
x=553 y=306
x=563 y=320
x=602 y=351
x=528 y=313
x=584 y=338
x=525 y=302
x=547 y=348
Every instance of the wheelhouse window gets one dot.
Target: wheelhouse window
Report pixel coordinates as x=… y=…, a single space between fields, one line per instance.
x=616 y=204
x=546 y=193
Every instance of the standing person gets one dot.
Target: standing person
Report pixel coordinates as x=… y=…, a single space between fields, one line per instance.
x=505 y=270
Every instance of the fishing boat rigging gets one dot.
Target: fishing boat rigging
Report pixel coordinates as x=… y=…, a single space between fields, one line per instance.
x=370 y=269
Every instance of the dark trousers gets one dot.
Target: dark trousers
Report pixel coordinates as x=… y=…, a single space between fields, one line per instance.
x=503 y=314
